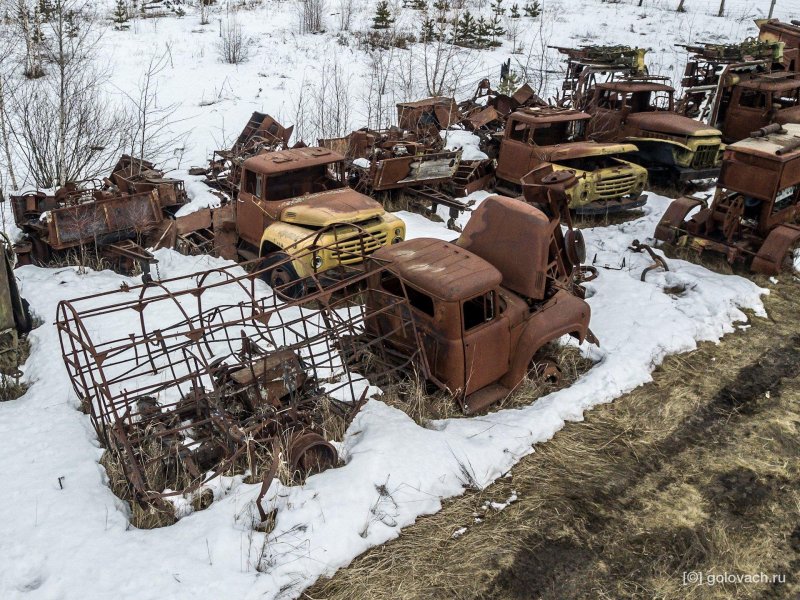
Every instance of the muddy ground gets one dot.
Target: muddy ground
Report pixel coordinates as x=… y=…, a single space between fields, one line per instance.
x=697 y=472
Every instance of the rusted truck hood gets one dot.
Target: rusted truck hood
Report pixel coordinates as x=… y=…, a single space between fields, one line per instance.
x=582 y=150
x=788 y=115
x=325 y=208
x=671 y=124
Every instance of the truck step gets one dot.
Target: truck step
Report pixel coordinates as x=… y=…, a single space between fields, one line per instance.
x=485 y=397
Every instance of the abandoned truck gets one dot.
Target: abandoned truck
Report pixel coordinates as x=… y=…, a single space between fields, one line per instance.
x=286 y=196
x=737 y=89
x=483 y=305
x=756 y=206
x=641 y=111
x=537 y=136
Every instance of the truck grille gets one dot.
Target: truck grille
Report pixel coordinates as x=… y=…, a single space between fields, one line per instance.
x=615 y=186
x=705 y=156
x=348 y=252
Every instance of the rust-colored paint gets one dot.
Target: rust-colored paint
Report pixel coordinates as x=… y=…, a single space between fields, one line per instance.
x=755 y=207
x=484 y=305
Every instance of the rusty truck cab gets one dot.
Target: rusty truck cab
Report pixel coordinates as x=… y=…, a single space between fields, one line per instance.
x=458 y=307
x=527 y=130
x=773 y=98
x=612 y=103
x=270 y=182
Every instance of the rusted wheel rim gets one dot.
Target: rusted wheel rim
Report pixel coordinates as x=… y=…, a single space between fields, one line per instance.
x=546 y=370
x=575 y=246
x=310 y=453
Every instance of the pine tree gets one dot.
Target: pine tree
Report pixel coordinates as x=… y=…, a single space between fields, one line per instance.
x=509 y=83
x=428 y=30
x=120 y=13
x=483 y=33
x=465 y=30
x=383 y=16
x=532 y=9
x=514 y=12
x=419 y=4
x=495 y=25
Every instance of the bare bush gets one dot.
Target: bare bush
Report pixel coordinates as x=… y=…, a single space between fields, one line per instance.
x=345 y=14
x=332 y=102
x=63 y=126
x=149 y=134
x=233 y=46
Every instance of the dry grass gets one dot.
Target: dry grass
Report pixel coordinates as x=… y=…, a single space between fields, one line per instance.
x=693 y=472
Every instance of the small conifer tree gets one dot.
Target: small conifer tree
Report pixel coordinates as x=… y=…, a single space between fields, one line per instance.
x=383 y=16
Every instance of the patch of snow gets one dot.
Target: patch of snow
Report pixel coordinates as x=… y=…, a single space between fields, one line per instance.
x=468 y=143
x=362 y=162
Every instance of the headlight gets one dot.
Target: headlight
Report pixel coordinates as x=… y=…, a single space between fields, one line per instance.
x=317 y=261
x=398 y=232
x=397 y=240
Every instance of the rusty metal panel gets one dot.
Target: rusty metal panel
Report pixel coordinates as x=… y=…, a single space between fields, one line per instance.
x=514 y=237
x=84 y=223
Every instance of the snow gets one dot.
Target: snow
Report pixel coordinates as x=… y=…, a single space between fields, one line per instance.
x=57 y=541
x=63 y=533
x=467 y=142
x=796 y=260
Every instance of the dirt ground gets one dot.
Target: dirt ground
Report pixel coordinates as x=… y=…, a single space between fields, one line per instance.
x=688 y=487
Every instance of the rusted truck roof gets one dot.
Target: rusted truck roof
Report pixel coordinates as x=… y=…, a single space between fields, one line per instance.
x=635 y=86
x=770 y=144
x=440 y=269
x=282 y=161
x=534 y=115
x=777 y=82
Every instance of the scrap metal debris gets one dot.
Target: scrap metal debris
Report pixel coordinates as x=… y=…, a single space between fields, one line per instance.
x=210 y=373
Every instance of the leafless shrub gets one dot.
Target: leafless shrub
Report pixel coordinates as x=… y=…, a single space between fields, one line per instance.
x=233 y=46
x=332 y=101
x=63 y=126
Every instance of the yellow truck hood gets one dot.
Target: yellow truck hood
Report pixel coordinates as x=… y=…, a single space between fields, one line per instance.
x=325 y=208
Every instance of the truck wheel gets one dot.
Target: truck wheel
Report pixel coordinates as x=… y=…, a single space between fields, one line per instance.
x=575 y=246
x=278 y=272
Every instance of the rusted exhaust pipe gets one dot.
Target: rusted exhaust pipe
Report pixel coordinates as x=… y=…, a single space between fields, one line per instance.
x=765 y=131
x=793 y=145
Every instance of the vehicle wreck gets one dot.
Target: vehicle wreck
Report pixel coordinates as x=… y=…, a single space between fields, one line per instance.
x=535 y=137
x=485 y=304
x=753 y=215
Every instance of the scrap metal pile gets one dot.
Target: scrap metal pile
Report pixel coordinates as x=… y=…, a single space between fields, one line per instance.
x=211 y=373
x=121 y=215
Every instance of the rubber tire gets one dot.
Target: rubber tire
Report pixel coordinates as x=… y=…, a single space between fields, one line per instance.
x=283 y=274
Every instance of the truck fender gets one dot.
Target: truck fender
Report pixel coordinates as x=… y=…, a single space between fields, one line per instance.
x=769 y=258
x=674 y=217
x=563 y=314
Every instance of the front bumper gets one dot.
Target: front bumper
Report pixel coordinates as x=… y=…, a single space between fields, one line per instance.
x=606 y=207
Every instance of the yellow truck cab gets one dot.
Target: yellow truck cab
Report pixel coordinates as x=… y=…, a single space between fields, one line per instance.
x=288 y=195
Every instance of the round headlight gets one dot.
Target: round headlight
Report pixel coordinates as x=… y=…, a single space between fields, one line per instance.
x=397 y=240
x=398 y=232
x=317 y=261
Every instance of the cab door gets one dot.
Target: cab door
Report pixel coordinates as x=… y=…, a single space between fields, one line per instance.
x=748 y=111
x=487 y=341
x=517 y=153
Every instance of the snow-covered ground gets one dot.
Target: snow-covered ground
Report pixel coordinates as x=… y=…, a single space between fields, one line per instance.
x=77 y=542
x=63 y=534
